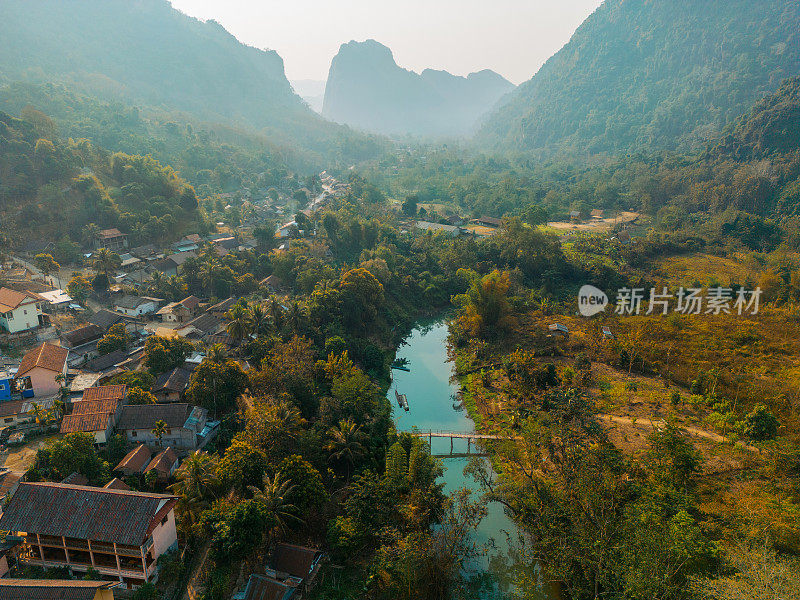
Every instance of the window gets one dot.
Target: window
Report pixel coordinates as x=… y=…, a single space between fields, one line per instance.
x=2 y=386
x=133 y=433
x=25 y=311
x=164 y=520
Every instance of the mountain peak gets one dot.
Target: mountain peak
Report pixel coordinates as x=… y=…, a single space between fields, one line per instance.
x=367 y=89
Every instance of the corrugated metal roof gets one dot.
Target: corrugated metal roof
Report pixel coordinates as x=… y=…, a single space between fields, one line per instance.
x=85 y=513
x=50 y=589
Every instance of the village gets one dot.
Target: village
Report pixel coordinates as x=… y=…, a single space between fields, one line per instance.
x=59 y=373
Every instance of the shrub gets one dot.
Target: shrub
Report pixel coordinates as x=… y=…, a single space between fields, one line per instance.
x=675 y=398
x=760 y=424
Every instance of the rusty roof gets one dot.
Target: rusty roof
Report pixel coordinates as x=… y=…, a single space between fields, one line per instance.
x=82 y=335
x=294 y=560
x=135 y=460
x=163 y=462
x=260 y=587
x=11 y=299
x=86 y=422
x=105 y=515
x=117 y=484
x=47 y=356
x=51 y=589
x=105 y=392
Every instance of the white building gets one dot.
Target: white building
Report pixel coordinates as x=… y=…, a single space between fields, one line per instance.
x=19 y=311
x=136 y=306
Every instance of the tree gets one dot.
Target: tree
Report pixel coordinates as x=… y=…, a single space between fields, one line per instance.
x=47 y=264
x=159 y=430
x=485 y=307
x=78 y=288
x=74 y=453
x=273 y=496
x=164 y=354
x=409 y=206
x=240 y=322
x=241 y=465
x=307 y=492
x=137 y=395
x=106 y=261
x=346 y=444
x=216 y=386
x=116 y=338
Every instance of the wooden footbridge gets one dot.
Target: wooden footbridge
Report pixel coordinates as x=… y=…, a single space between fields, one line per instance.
x=458 y=435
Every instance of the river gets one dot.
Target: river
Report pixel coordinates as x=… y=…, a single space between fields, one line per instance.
x=431 y=398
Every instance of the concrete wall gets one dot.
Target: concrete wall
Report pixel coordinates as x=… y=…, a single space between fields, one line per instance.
x=25 y=317
x=43 y=381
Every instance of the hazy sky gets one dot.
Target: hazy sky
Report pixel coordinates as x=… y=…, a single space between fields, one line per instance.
x=512 y=37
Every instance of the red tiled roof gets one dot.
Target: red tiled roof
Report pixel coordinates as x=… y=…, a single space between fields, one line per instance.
x=47 y=356
x=105 y=515
x=87 y=423
x=11 y=299
x=105 y=392
x=135 y=460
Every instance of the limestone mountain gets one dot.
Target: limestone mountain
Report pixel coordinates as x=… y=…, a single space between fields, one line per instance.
x=368 y=90
x=651 y=74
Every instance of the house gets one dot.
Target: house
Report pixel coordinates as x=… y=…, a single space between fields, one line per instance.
x=113 y=239
x=220 y=308
x=81 y=382
x=290 y=562
x=261 y=587
x=97 y=413
x=185 y=424
x=105 y=319
x=455 y=220
x=20 y=412
x=597 y=213
x=76 y=478
x=61 y=589
x=82 y=336
x=147 y=253
x=489 y=222
x=119 y=533
x=606 y=331
x=55 y=300
x=201 y=327
x=164 y=464
x=136 y=306
x=557 y=329
x=284 y=231
x=180 y=312
x=10 y=388
x=40 y=367
x=575 y=215
x=135 y=461
x=130 y=262
x=169 y=386
x=106 y=363
x=172 y=264
x=20 y=311
x=434 y=227
x=273 y=284
x=117 y=484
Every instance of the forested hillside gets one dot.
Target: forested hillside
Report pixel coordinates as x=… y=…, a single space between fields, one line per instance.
x=367 y=89
x=651 y=74
x=53 y=189
x=146 y=53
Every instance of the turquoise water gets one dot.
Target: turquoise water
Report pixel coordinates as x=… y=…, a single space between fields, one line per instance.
x=431 y=397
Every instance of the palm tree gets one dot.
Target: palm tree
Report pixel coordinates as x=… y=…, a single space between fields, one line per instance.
x=296 y=316
x=273 y=497
x=259 y=319
x=196 y=477
x=105 y=261
x=207 y=275
x=345 y=443
x=39 y=414
x=276 y=313
x=159 y=430
x=216 y=354
x=239 y=323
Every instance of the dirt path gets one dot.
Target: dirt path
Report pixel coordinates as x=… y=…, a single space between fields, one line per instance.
x=195 y=588
x=659 y=423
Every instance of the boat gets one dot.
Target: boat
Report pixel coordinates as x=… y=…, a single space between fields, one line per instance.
x=402 y=401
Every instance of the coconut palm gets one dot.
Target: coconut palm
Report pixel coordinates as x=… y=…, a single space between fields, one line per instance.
x=106 y=261
x=296 y=315
x=273 y=496
x=276 y=313
x=39 y=414
x=239 y=323
x=196 y=477
x=346 y=444
x=159 y=430
x=259 y=319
